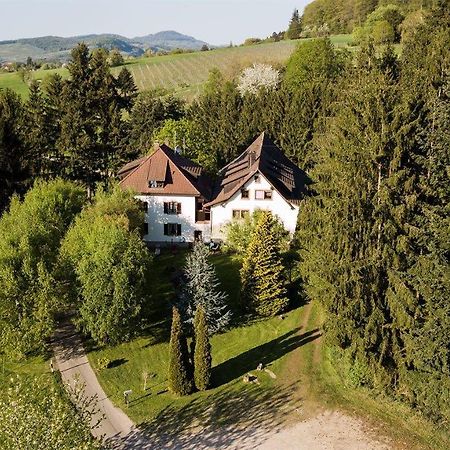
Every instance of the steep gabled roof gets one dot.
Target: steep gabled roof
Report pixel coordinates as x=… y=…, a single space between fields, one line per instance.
x=179 y=175
x=265 y=157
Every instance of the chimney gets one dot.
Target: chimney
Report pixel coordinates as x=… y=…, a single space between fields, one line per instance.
x=251 y=158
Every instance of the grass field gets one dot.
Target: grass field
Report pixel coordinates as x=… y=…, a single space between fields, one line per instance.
x=290 y=348
x=235 y=353
x=185 y=73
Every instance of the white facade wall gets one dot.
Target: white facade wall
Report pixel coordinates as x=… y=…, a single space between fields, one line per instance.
x=156 y=219
x=223 y=214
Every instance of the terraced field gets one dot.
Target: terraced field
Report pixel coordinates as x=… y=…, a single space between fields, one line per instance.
x=186 y=73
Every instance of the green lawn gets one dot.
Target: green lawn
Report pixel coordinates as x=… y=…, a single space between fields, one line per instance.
x=235 y=353
x=185 y=74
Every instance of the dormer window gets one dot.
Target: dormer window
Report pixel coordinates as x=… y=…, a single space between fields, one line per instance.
x=155 y=184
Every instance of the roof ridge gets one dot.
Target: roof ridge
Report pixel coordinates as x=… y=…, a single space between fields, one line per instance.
x=178 y=167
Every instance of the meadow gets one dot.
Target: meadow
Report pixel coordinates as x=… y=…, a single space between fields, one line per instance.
x=307 y=378
x=184 y=74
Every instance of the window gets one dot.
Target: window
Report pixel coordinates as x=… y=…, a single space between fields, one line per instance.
x=172 y=229
x=245 y=193
x=240 y=213
x=257 y=179
x=263 y=195
x=144 y=206
x=145 y=228
x=155 y=184
x=172 y=208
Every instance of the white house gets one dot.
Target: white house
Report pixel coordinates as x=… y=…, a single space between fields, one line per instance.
x=173 y=190
x=182 y=204
x=260 y=178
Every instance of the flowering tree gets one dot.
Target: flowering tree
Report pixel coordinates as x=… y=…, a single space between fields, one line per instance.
x=36 y=413
x=256 y=77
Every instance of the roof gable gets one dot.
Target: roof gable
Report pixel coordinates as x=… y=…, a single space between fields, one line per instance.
x=165 y=172
x=263 y=156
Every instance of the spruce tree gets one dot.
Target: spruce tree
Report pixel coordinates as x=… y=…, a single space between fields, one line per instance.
x=202 y=353
x=262 y=284
x=295 y=26
x=180 y=369
x=201 y=288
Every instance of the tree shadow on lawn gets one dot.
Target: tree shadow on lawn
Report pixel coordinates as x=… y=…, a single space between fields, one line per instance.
x=265 y=354
x=226 y=419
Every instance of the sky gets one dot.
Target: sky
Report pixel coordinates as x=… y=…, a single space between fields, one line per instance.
x=214 y=21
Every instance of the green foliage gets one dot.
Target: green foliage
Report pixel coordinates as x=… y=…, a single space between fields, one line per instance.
x=262 y=284
x=180 y=369
x=344 y=15
x=149 y=112
x=202 y=352
x=107 y=266
x=14 y=163
x=239 y=232
x=374 y=237
x=115 y=58
x=92 y=129
x=295 y=26
x=201 y=288
x=36 y=413
x=30 y=236
x=313 y=61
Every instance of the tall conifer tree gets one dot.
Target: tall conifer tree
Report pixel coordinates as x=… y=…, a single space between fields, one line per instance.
x=202 y=352
x=180 y=369
x=262 y=284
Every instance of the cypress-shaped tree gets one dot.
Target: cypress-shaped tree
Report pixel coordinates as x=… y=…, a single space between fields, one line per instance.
x=262 y=284
x=202 y=353
x=201 y=288
x=180 y=369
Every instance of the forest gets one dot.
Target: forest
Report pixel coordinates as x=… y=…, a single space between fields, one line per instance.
x=342 y=16
x=371 y=128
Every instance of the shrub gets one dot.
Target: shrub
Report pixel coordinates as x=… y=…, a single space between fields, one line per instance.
x=103 y=363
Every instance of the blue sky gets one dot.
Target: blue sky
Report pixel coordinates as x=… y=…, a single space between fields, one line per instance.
x=214 y=21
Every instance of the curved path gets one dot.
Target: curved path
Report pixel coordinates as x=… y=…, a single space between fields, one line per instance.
x=73 y=364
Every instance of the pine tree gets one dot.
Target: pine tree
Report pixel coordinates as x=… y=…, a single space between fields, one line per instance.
x=127 y=89
x=14 y=161
x=295 y=26
x=262 y=284
x=37 y=127
x=201 y=288
x=202 y=353
x=180 y=369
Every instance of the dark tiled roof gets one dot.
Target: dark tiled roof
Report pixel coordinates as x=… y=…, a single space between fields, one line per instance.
x=180 y=175
x=265 y=157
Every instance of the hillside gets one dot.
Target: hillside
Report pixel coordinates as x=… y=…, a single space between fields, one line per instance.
x=184 y=73
x=58 y=48
x=343 y=15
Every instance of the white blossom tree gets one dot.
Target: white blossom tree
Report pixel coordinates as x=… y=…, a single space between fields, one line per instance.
x=36 y=413
x=257 y=77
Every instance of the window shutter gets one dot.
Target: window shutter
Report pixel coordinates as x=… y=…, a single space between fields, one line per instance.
x=166 y=209
x=166 y=229
x=178 y=208
x=178 y=229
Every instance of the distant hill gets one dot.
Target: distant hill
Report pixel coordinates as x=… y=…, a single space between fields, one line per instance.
x=58 y=48
x=343 y=15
